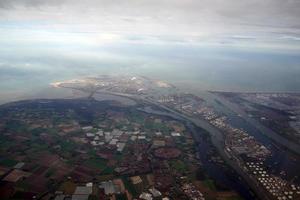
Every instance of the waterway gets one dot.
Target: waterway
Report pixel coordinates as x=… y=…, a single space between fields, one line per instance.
x=282 y=162
x=223 y=175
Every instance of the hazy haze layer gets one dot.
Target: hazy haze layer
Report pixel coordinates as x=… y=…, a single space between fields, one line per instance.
x=211 y=45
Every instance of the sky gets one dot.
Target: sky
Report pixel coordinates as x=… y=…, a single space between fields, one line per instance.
x=255 y=23
x=44 y=40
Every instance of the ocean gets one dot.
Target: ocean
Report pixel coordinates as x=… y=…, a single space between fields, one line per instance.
x=26 y=73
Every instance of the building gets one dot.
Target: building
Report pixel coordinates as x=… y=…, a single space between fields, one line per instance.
x=146 y=196
x=87 y=128
x=82 y=193
x=136 y=180
x=120 y=146
x=109 y=187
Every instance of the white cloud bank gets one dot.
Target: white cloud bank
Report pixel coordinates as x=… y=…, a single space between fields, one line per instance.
x=270 y=24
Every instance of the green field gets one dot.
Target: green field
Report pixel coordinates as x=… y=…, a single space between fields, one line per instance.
x=210 y=184
x=96 y=163
x=8 y=162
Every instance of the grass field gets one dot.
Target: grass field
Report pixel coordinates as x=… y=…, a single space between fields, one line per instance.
x=96 y=163
x=210 y=184
x=178 y=165
x=8 y=162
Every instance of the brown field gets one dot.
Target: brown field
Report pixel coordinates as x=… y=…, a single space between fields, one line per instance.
x=3 y=170
x=163 y=182
x=82 y=174
x=105 y=177
x=68 y=187
x=37 y=183
x=41 y=170
x=167 y=152
x=46 y=159
x=6 y=190
x=15 y=175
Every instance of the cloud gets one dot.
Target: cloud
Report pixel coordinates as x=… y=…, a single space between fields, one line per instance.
x=289 y=37
x=177 y=21
x=11 y=4
x=8 y=71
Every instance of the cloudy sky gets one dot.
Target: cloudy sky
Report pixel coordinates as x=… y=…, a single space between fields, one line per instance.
x=51 y=36
x=255 y=23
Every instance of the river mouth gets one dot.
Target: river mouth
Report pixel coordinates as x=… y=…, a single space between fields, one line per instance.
x=281 y=159
x=225 y=176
